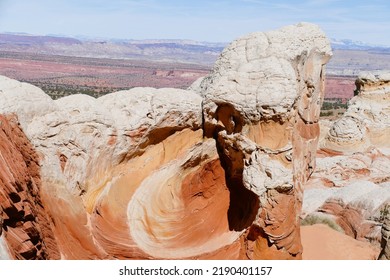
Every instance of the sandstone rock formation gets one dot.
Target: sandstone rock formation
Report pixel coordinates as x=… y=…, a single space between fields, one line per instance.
x=351 y=184
x=366 y=123
x=216 y=171
x=356 y=207
x=23 y=217
x=262 y=105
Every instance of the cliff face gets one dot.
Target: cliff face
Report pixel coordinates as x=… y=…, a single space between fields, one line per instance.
x=24 y=223
x=216 y=171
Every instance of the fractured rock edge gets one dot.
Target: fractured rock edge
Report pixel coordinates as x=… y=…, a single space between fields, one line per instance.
x=24 y=221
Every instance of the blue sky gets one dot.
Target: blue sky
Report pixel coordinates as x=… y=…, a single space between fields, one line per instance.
x=215 y=21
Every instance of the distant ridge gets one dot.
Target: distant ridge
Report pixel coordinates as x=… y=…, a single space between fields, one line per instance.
x=175 y=50
x=346 y=44
x=186 y=51
x=25 y=38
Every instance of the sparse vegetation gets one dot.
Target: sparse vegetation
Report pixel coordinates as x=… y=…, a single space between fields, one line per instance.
x=313 y=219
x=333 y=104
x=56 y=91
x=383 y=212
x=333 y=107
x=326 y=113
x=61 y=76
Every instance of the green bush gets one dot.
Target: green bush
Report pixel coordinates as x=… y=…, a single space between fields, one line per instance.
x=326 y=113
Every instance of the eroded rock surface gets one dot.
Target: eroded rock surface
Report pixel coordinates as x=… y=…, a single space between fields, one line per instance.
x=262 y=106
x=366 y=123
x=351 y=190
x=213 y=172
x=24 y=222
x=351 y=184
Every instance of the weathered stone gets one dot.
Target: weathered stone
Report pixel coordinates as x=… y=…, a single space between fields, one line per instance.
x=262 y=105
x=19 y=172
x=366 y=123
x=166 y=173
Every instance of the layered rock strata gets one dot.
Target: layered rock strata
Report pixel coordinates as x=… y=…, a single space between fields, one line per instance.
x=24 y=221
x=213 y=172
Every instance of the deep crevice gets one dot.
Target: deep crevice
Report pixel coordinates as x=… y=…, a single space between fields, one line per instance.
x=243 y=204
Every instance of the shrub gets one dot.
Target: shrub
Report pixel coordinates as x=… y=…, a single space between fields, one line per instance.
x=384 y=212
x=326 y=113
x=313 y=219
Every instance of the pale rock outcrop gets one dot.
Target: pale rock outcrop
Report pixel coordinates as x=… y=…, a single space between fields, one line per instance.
x=24 y=100
x=339 y=170
x=351 y=181
x=4 y=251
x=367 y=121
x=356 y=208
x=261 y=104
x=216 y=171
x=352 y=190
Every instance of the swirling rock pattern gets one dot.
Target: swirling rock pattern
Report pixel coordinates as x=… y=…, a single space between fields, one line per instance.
x=212 y=172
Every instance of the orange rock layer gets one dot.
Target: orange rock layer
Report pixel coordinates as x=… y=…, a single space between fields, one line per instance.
x=25 y=223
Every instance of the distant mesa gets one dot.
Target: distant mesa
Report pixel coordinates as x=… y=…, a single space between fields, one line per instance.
x=188 y=51
x=30 y=40
x=350 y=57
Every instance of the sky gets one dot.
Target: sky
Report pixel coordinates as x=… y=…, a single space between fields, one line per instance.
x=201 y=20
